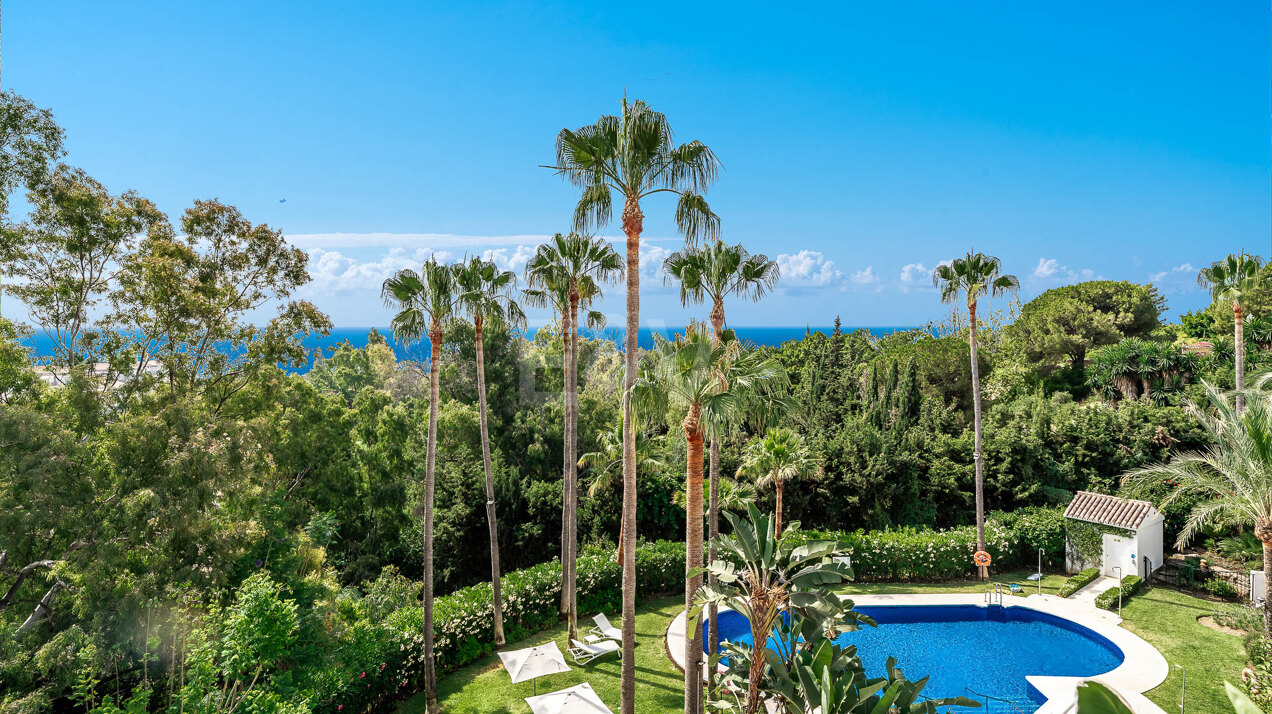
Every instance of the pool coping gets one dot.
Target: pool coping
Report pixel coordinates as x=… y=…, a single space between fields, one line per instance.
x=1143 y=667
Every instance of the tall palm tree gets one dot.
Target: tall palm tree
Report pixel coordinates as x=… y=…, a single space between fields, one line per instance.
x=712 y=273
x=634 y=155
x=1230 y=481
x=1230 y=280
x=487 y=298
x=779 y=456
x=566 y=273
x=424 y=302
x=700 y=374
x=974 y=277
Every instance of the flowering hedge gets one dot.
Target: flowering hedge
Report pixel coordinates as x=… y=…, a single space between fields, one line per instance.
x=380 y=655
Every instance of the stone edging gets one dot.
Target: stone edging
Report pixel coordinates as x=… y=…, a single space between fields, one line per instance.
x=1142 y=668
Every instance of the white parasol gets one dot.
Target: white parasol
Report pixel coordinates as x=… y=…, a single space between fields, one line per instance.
x=575 y=700
x=534 y=662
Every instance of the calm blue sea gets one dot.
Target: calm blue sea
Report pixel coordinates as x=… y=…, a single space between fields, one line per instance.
x=768 y=336
x=357 y=336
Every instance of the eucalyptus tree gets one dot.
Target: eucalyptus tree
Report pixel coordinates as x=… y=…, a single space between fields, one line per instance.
x=973 y=277
x=702 y=376
x=30 y=145
x=710 y=274
x=1229 y=483
x=424 y=302
x=567 y=273
x=634 y=154
x=779 y=456
x=486 y=296
x=1230 y=280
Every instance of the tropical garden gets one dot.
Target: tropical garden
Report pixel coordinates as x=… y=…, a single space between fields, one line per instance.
x=197 y=514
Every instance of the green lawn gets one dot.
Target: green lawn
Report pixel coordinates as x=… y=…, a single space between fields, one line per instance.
x=484 y=687
x=1165 y=618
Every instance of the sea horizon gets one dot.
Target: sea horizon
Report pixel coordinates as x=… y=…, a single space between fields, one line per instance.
x=357 y=336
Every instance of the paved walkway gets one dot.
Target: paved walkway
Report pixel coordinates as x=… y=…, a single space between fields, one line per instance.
x=1096 y=588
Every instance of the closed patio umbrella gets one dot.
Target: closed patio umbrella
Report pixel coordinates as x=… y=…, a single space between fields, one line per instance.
x=534 y=662
x=575 y=700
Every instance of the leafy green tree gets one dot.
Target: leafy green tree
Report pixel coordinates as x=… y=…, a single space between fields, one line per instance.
x=1067 y=322
x=348 y=369
x=425 y=301
x=634 y=155
x=779 y=456
x=1231 y=480
x=64 y=255
x=1230 y=280
x=566 y=273
x=974 y=277
x=188 y=303
x=711 y=273
x=486 y=297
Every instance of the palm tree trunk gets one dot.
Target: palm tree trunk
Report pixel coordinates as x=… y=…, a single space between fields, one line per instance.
x=713 y=503
x=713 y=530
x=563 y=608
x=572 y=394
x=1267 y=581
x=496 y=598
x=430 y=672
x=693 y=555
x=1238 y=329
x=777 y=523
x=976 y=447
x=633 y=224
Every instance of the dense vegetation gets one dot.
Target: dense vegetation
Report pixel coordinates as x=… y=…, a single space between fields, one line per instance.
x=190 y=519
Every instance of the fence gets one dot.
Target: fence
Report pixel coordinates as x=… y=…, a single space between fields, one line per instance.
x=1189 y=576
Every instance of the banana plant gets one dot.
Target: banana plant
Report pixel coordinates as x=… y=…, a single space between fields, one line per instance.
x=772 y=579
x=832 y=680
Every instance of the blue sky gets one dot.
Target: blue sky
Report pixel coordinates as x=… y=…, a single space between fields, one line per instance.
x=862 y=142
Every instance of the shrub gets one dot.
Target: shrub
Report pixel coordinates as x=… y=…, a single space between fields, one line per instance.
x=1221 y=588
x=912 y=554
x=1079 y=581
x=1129 y=586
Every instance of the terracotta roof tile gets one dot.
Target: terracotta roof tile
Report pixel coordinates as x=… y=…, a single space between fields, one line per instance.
x=1108 y=510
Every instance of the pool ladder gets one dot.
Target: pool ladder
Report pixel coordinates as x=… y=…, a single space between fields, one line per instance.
x=1015 y=708
x=995 y=591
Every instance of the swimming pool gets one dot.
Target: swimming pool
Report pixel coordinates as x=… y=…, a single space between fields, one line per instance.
x=988 y=650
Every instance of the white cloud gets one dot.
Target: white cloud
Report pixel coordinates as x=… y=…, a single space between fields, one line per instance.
x=330 y=271
x=1049 y=271
x=1046 y=268
x=865 y=277
x=915 y=275
x=1179 y=279
x=651 y=262
x=514 y=261
x=808 y=268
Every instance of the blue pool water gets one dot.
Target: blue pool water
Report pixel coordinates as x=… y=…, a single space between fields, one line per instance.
x=987 y=649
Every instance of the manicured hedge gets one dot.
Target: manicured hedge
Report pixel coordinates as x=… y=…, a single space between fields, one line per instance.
x=1130 y=585
x=911 y=554
x=1079 y=581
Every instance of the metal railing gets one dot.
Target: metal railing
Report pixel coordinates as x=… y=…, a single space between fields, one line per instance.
x=996 y=590
x=988 y=698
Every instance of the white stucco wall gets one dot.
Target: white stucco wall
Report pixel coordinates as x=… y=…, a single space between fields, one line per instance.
x=1150 y=543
